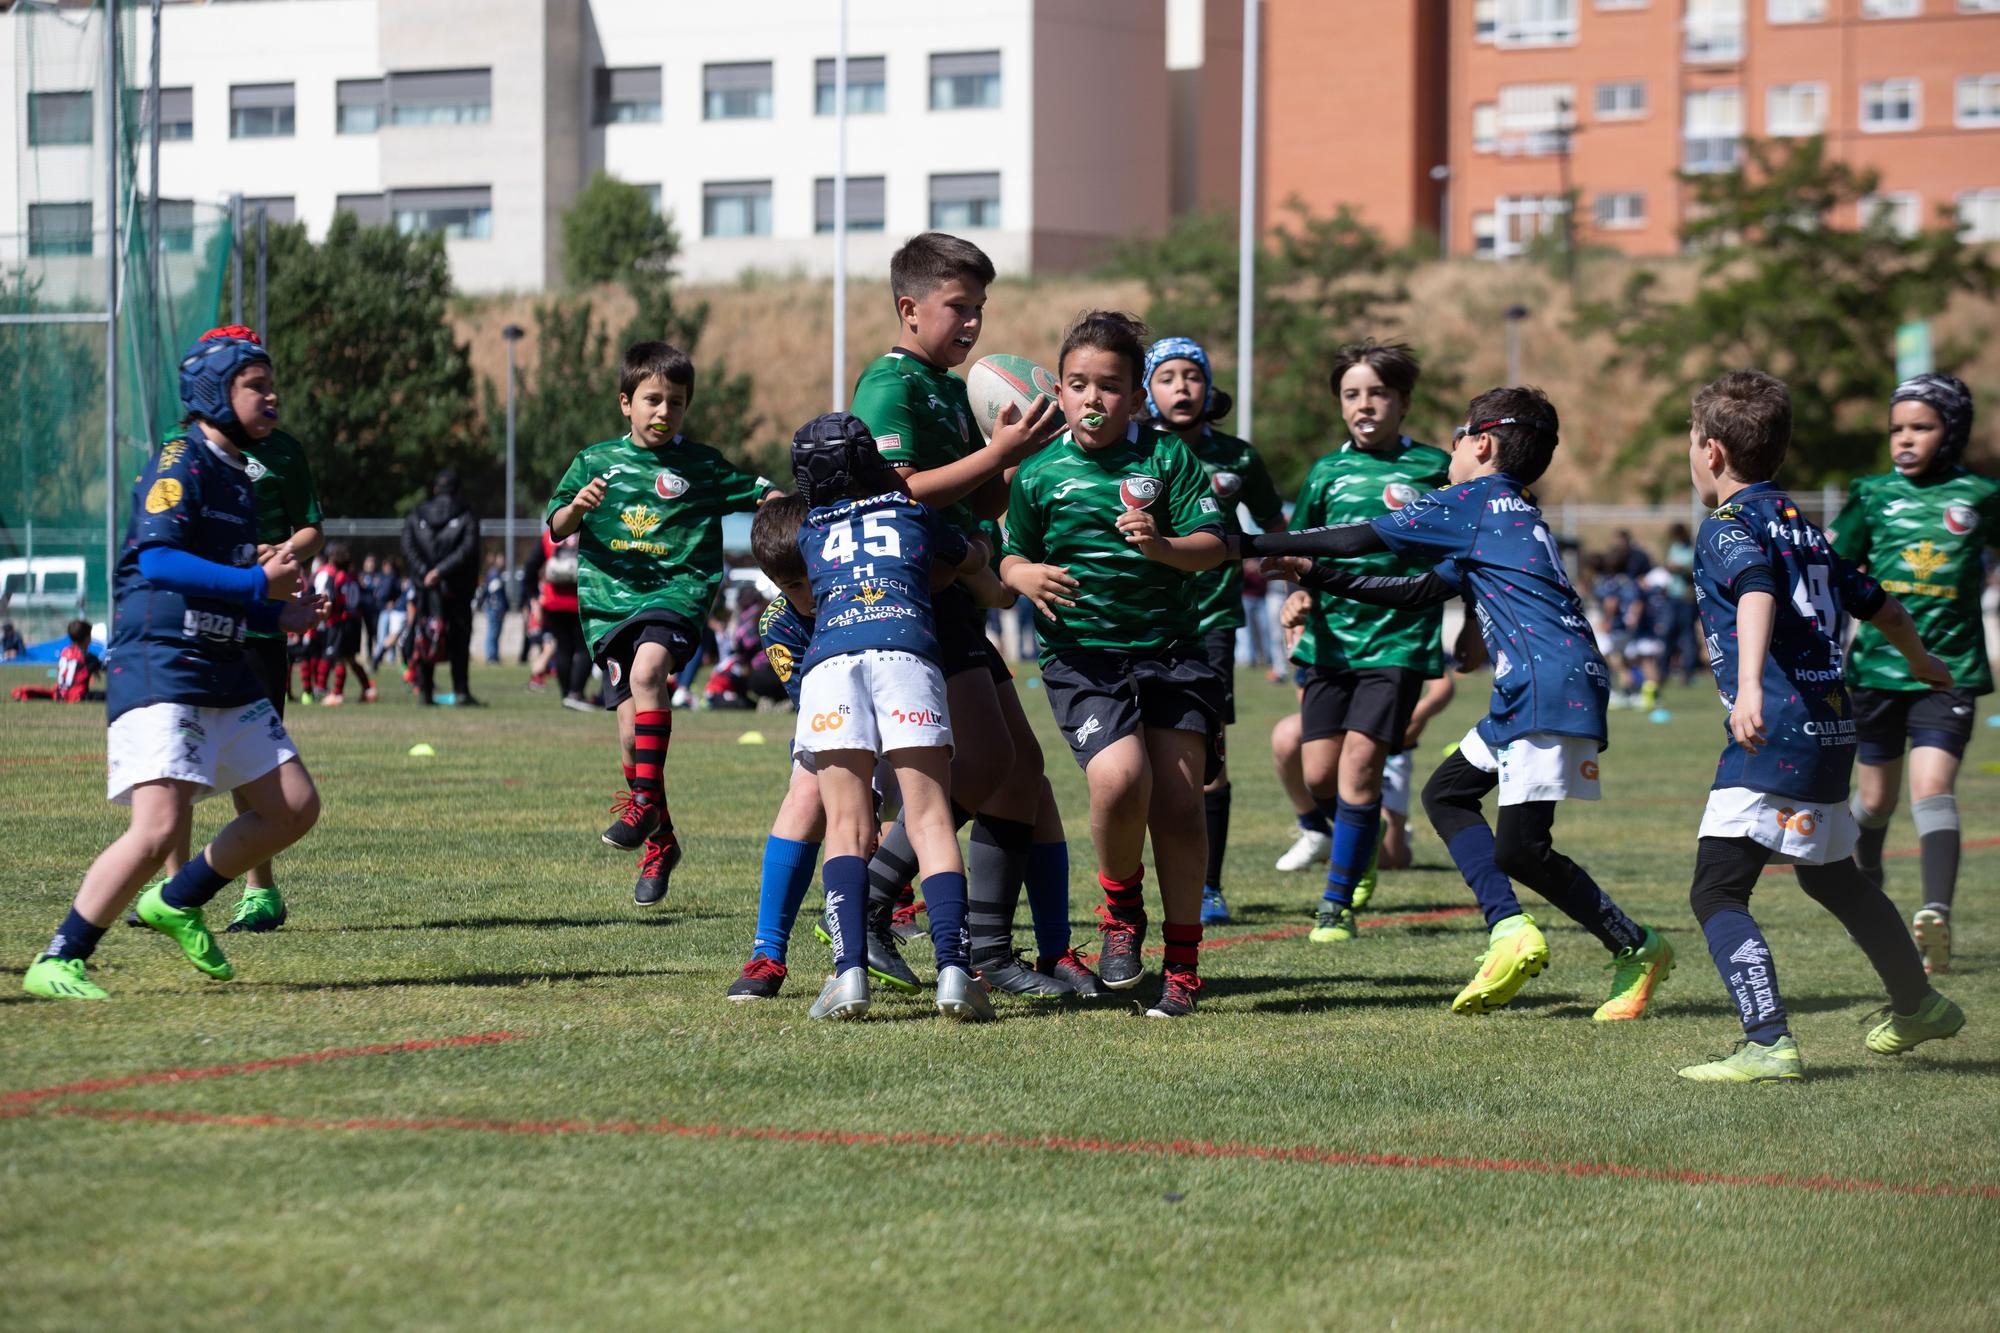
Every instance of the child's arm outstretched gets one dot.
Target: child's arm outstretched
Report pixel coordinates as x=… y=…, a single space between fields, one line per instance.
x=1894 y=621
x=1369 y=589
x=1340 y=540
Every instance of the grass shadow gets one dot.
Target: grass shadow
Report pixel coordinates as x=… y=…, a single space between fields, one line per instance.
x=490 y=979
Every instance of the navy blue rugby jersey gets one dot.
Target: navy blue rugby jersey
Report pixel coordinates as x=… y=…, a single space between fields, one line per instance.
x=1808 y=720
x=167 y=647
x=786 y=634
x=1490 y=541
x=870 y=565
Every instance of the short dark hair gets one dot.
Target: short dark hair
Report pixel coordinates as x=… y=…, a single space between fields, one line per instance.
x=338 y=555
x=1529 y=440
x=930 y=259
x=774 y=538
x=1751 y=414
x=1111 y=331
x=78 y=630
x=1395 y=364
x=646 y=359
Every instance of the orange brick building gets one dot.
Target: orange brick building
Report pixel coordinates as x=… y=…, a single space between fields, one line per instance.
x=1519 y=101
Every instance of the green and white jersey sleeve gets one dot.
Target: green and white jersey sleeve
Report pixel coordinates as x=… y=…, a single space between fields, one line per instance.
x=655 y=543
x=1236 y=476
x=1924 y=540
x=1356 y=486
x=281 y=481
x=1064 y=509
x=920 y=418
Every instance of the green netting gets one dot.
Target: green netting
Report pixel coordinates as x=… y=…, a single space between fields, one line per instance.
x=53 y=387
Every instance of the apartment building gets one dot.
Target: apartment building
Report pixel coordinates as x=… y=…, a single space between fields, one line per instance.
x=1036 y=126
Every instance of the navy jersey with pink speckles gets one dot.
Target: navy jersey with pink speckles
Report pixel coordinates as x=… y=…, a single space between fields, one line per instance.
x=1490 y=541
x=870 y=566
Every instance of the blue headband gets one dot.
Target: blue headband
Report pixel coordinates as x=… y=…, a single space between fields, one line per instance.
x=207 y=371
x=1178 y=349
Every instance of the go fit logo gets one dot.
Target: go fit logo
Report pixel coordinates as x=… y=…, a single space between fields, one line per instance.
x=833 y=721
x=1801 y=822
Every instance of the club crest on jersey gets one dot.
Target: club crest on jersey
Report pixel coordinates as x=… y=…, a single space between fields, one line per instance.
x=669 y=486
x=638 y=520
x=1960 y=519
x=1139 y=492
x=255 y=469
x=1399 y=493
x=1227 y=484
x=781 y=660
x=164 y=495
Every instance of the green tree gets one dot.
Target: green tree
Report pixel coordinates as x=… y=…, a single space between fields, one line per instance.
x=612 y=234
x=1783 y=291
x=370 y=377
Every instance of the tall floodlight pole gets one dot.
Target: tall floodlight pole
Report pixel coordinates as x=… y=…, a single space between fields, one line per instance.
x=111 y=109
x=153 y=331
x=1246 y=230
x=236 y=248
x=512 y=333
x=840 y=216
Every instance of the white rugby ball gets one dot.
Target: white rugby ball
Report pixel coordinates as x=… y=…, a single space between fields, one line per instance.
x=998 y=380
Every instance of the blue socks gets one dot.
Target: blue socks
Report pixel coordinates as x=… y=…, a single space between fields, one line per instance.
x=1313 y=821
x=1744 y=961
x=1048 y=896
x=846 y=880
x=75 y=938
x=194 y=884
x=1472 y=852
x=944 y=904
x=1355 y=829
x=788 y=869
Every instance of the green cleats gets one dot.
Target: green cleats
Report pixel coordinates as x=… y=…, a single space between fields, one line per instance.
x=1515 y=951
x=132 y=913
x=185 y=927
x=1635 y=973
x=1751 y=1063
x=1936 y=1017
x=257 y=911
x=1335 y=925
x=61 y=979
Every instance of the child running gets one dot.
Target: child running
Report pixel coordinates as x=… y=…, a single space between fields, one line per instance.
x=343 y=626
x=1775 y=598
x=1540 y=740
x=189 y=716
x=873 y=688
x=1921 y=530
x=1103 y=528
x=649 y=509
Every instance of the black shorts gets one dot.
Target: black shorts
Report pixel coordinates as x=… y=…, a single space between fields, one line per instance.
x=1885 y=719
x=1219 y=647
x=1101 y=697
x=961 y=634
x=271 y=662
x=343 y=640
x=677 y=634
x=1377 y=702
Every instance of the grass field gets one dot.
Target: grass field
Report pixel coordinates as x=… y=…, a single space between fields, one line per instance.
x=1322 y=1145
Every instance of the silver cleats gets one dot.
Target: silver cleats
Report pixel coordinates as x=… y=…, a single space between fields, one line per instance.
x=846 y=996
x=962 y=996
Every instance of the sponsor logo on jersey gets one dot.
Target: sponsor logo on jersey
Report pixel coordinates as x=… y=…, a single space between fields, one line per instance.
x=833 y=721
x=164 y=495
x=170 y=453
x=1960 y=519
x=1091 y=726
x=1508 y=504
x=1924 y=559
x=639 y=520
x=868 y=594
x=1073 y=483
x=1139 y=492
x=1729 y=537
x=1801 y=822
x=1226 y=484
x=782 y=662
x=669 y=486
x=918 y=717
x=1750 y=951
x=887 y=442
x=1207 y=505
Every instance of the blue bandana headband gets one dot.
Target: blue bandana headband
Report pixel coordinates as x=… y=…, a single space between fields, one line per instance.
x=1178 y=349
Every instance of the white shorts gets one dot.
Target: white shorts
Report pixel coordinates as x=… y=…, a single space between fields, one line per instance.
x=1396 y=784
x=1799 y=832
x=874 y=700
x=1537 y=767
x=219 y=749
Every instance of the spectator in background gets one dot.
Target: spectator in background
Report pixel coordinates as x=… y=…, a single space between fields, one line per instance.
x=392 y=596
x=493 y=599
x=551 y=569
x=1686 y=637
x=12 y=645
x=441 y=542
x=1255 y=625
x=1627 y=558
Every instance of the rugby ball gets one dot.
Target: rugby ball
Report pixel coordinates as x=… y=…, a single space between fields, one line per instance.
x=996 y=381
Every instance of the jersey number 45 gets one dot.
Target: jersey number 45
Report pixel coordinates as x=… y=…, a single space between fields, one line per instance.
x=878 y=538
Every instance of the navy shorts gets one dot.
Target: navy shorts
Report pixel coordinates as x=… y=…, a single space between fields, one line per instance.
x=679 y=635
x=1100 y=697
x=1884 y=720
x=1377 y=702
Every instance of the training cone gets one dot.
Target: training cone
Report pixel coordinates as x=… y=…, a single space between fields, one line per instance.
x=422 y=750
x=751 y=738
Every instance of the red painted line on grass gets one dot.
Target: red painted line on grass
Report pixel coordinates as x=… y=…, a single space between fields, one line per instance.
x=1819 y=1184
x=1976 y=845
x=88 y=1086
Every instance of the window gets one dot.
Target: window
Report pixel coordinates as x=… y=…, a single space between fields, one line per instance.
x=1619 y=211
x=58 y=118
x=1713 y=33
x=1979 y=6
x=865 y=203
x=1795 y=109
x=260 y=111
x=960 y=202
x=736 y=92
x=58 y=229
x=1978 y=102
x=1535 y=23
x=1795 y=11
x=736 y=208
x=1621 y=101
x=1484 y=232
x=1519 y=218
x=370 y=210
x=1888 y=105
x=358 y=105
x=1485 y=128
x=628 y=96
x=441 y=97
x=1711 y=125
x=176 y=112
x=1891 y=9
x=462 y=213
x=965 y=79
x=653 y=198
x=1533 y=116
x=278 y=208
x=1901 y=211
x=1979 y=215
x=867 y=86
x=177 y=226
x=1485 y=19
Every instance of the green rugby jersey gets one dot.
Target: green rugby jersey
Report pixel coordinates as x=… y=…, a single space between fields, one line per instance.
x=1236 y=475
x=1922 y=539
x=920 y=418
x=655 y=543
x=1064 y=510
x=281 y=481
x=1356 y=486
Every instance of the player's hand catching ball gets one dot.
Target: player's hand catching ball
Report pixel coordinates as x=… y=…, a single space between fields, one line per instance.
x=282 y=575
x=1017 y=434
x=592 y=495
x=1047 y=586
